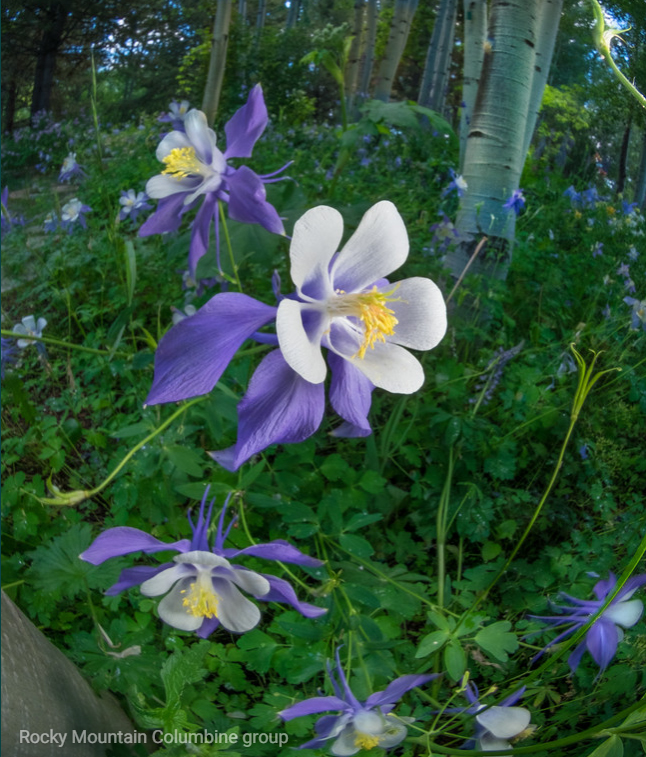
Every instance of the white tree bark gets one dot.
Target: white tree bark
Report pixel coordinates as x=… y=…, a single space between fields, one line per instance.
x=352 y=68
x=217 y=61
x=475 y=35
x=399 y=29
x=368 y=57
x=260 y=15
x=432 y=91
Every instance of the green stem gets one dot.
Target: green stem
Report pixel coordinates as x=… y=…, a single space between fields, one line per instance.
x=229 y=247
x=60 y=343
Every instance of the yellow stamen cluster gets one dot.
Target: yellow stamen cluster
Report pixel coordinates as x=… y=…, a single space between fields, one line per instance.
x=365 y=740
x=378 y=319
x=182 y=162
x=201 y=600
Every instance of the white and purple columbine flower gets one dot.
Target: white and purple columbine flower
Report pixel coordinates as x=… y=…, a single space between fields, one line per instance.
x=70 y=169
x=201 y=585
x=72 y=213
x=359 y=725
x=516 y=202
x=132 y=203
x=30 y=328
x=458 y=184
x=7 y=219
x=497 y=724
x=604 y=635
x=8 y=354
x=638 y=319
x=196 y=169
x=177 y=112
x=342 y=303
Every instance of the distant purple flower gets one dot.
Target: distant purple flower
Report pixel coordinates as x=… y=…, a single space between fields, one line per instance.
x=623 y=270
x=516 y=202
x=70 y=168
x=50 y=223
x=9 y=354
x=457 y=184
x=604 y=635
x=590 y=197
x=639 y=313
x=180 y=315
x=575 y=197
x=132 y=203
x=201 y=584
x=197 y=170
x=359 y=725
x=629 y=286
x=628 y=207
x=606 y=311
x=492 y=374
x=583 y=451
x=632 y=253
x=29 y=327
x=176 y=115
x=343 y=303
x=444 y=234
x=73 y=213
x=7 y=219
x=597 y=249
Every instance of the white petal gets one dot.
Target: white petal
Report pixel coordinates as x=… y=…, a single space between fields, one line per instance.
x=176 y=140
x=235 y=611
x=302 y=350
x=162 y=582
x=164 y=185
x=317 y=235
x=202 y=559
x=172 y=610
x=504 y=722
x=395 y=733
x=377 y=248
x=624 y=613
x=421 y=313
x=40 y=325
x=202 y=138
x=368 y=722
x=344 y=746
x=489 y=743
x=250 y=581
x=29 y=322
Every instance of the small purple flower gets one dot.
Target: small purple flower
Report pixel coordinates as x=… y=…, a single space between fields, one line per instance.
x=30 y=327
x=444 y=234
x=70 y=168
x=50 y=223
x=597 y=249
x=457 y=184
x=7 y=219
x=196 y=169
x=590 y=198
x=604 y=635
x=516 y=202
x=606 y=311
x=638 y=314
x=583 y=451
x=132 y=203
x=623 y=270
x=629 y=285
x=72 y=213
x=628 y=207
x=201 y=584
x=176 y=115
x=359 y=725
x=575 y=197
x=632 y=253
x=497 y=724
x=9 y=354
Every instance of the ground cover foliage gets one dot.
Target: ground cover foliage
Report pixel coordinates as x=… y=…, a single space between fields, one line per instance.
x=416 y=523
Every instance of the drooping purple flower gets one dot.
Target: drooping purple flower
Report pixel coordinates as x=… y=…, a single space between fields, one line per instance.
x=8 y=353
x=132 y=203
x=7 y=219
x=201 y=585
x=638 y=319
x=70 y=169
x=72 y=213
x=516 y=202
x=197 y=170
x=457 y=184
x=492 y=374
x=343 y=303
x=50 y=224
x=604 y=635
x=359 y=725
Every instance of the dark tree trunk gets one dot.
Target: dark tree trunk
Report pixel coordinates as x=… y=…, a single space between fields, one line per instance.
x=623 y=158
x=9 y=115
x=50 y=44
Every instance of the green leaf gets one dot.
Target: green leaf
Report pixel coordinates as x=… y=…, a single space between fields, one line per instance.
x=136 y=429
x=497 y=641
x=612 y=747
x=490 y=550
x=362 y=519
x=356 y=545
x=186 y=459
x=258 y=650
x=182 y=668
x=433 y=642
x=372 y=482
x=455 y=660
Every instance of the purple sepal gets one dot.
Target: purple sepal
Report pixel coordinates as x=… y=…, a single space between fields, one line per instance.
x=313 y=706
x=246 y=125
x=281 y=591
x=396 y=690
x=130 y=577
x=279 y=407
x=192 y=356
x=350 y=396
x=274 y=550
x=167 y=217
x=123 y=540
x=202 y=231
x=208 y=626
x=602 y=640
x=248 y=201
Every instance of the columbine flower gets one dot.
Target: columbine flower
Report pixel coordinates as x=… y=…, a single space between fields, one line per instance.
x=359 y=726
x=575 y=197
x=201 y=587
x=176 y=115
x=590 y=197
x=8 y=354
x=602 y=638
x=629 y=285
x=516 y=202
x=497 y=724
x=70 y=168
x=132 y=204
x=196 y=169
x=597 y=249
x=7 y=219
x=342 y=303
x=632 y=253
x=73 y=212
x=458 y=184
x=638 y=314
x=50 y=223
x=623 y=270
x=29 y=327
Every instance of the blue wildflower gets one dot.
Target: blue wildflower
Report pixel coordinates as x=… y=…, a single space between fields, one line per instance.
x=516 y=202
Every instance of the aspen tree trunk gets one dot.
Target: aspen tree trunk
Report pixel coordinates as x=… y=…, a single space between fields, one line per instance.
x=475 y=36
x=640 y=189
x=352 y=68
x=50 y=44
x=495 y=145
x=623 y=157
x=369 y=49
x=292 y=16
x=260 y=16
x=217 y=60
x=399 y=29
x=432 y=91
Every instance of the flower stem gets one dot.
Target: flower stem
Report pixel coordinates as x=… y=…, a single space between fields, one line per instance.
x=227 y=238
x=60 y=343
